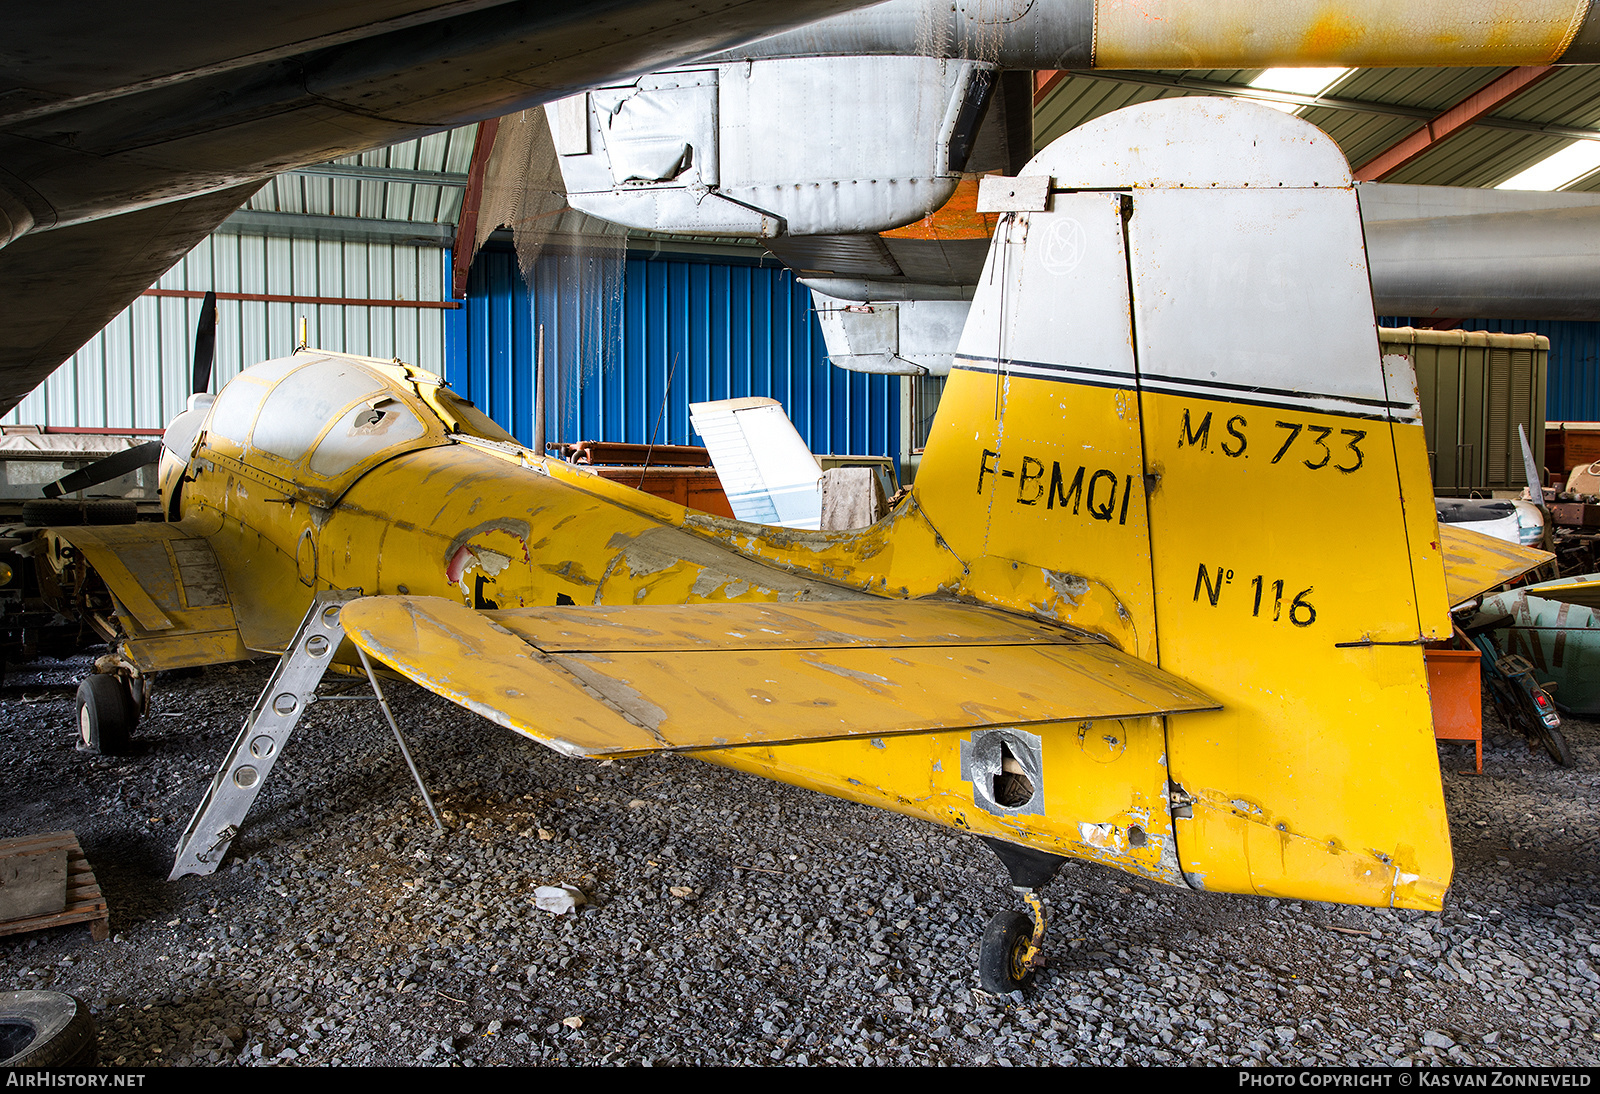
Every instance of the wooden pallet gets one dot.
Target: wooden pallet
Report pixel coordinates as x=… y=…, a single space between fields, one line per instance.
x=84 y=902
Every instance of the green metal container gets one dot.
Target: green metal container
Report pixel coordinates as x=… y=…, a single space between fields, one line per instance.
x=1476 y=388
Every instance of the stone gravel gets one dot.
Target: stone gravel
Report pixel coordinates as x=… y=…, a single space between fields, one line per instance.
x=736 y=921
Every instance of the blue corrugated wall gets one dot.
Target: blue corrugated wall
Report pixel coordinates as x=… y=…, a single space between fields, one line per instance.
x=1572 y=384
x=719 y=330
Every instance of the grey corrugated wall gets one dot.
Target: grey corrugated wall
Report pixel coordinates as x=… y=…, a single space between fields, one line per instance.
x=135 y=373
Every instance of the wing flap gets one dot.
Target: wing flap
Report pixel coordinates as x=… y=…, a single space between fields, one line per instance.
x=618 y=681
x=169 y=587
x=1475 y=563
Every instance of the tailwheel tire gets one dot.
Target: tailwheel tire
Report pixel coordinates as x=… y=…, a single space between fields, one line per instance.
x=45 y=1029
x=104 y=718
x=1005 y=941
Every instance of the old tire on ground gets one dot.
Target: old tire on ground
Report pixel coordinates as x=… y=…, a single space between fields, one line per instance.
x=104 y=721
x=45 y=1029
x=1000 y=968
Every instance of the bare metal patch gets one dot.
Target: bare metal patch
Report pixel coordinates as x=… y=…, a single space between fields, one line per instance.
x=616 y=694
x=203 y=585
x=1006 y=770
x=516 y=529
x=872 y=680
x=1106 y=837
x=662 y=549
x=467 y=559
x=1069 y=587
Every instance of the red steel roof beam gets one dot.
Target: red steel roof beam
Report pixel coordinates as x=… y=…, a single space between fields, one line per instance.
x=1483 y=101
x=1045 y=81
x=467 y=224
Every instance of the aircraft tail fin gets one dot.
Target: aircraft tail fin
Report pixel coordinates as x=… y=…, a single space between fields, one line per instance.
x=1169 y=422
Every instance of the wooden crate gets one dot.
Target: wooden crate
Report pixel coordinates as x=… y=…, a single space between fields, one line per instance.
x=692 y=487
x=84 y=902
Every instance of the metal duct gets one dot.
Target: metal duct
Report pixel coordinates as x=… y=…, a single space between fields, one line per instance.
x=1181 y=34
x=1528 y=265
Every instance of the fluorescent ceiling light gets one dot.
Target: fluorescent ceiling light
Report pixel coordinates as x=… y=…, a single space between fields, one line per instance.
x=1575 y=161
x=1301 y=81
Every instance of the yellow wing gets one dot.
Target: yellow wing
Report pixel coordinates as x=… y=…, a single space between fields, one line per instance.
x=1475 y=563
x=172 y=599
x=1581 y=591
x=624 y=680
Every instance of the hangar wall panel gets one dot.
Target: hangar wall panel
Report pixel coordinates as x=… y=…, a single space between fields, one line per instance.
x=135 y=373
x=1572 y=384
x=713 y=329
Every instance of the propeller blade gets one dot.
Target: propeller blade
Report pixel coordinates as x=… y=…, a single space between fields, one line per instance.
x=205 y=344
x=113 y=466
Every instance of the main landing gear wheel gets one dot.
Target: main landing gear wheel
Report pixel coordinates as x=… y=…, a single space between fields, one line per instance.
x=105 y=715
x=1002 y=967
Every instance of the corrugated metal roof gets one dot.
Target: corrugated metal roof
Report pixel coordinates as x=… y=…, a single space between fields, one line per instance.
x=419 y=180
x=1371 y=109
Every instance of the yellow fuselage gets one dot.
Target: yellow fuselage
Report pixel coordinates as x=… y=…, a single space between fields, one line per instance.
x=494 y=526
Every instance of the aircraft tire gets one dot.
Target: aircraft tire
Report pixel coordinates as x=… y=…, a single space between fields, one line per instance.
x=46 y=1029
x=1005 y=937
x=104 y=709
x=61 y=512
x=111 y=511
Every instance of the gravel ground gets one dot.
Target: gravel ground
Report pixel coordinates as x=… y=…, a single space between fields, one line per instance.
x=733 y=920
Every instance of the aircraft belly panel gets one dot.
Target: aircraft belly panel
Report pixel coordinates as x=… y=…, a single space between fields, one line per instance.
x=723 y=692
x=1524 y=32
x=1100 y=802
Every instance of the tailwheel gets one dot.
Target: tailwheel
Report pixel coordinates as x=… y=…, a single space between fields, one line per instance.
x=1011 y=949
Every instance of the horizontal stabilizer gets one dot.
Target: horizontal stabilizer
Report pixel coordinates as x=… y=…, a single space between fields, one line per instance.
x=1475 y=563
x=624 y=680
x=768 y=473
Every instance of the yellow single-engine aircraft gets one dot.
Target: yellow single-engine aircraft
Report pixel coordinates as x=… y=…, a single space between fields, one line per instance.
x=1156 y=601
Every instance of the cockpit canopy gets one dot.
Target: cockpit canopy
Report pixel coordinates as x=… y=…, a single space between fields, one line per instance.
x=319 y=420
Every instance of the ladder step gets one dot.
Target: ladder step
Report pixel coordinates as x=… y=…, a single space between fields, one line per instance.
x=277 y=711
